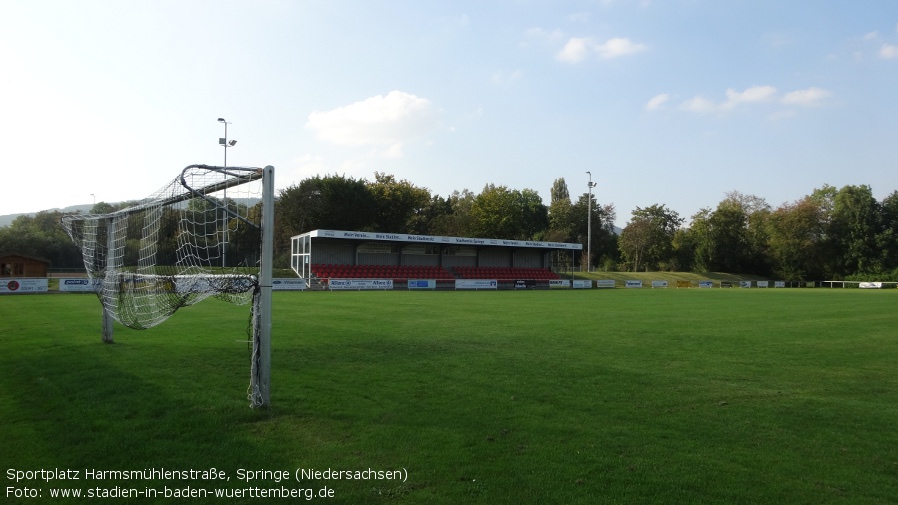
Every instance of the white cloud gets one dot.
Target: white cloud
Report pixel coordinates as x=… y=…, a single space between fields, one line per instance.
x=809 y=97
x=379 y=120
x=806 y=97
x=888 y=52
x=576 y=50
x=541 y=35
x=871 y=36
x=618 y=47
x=579 y=48
x=657 y=101
x=698 y=104
x=754 y=94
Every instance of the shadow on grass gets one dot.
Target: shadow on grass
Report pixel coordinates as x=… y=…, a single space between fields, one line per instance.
x=81 y=404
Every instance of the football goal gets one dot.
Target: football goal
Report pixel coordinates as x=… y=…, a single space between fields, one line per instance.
x=208 y=232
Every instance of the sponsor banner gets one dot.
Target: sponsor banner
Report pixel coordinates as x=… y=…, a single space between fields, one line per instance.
x=580 y=284
x=659 y=284
x=524 y=284
x=359 y=284
x=422 y=284
x=476 y=284
x=8 y=285
x=763 y=284
x=562 y=283
x=744 y=284
x=288 y=284
x=684 y=284
x=605 y=283
x=634 y=284
x=870 y=285
x=376 y=247
x=726 y=284
x=779 y=284
x=460 y=251
x=421 y=249
x=706 y=284
x=77 y=285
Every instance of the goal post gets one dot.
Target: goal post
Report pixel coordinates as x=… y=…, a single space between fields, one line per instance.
x=208 y=232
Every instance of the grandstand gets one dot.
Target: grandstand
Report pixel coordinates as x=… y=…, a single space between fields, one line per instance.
x=321 y=255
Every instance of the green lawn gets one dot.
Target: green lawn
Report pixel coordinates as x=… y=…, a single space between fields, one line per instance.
x=600 y=396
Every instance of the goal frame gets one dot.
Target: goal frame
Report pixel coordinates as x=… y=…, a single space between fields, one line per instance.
x=262 y=320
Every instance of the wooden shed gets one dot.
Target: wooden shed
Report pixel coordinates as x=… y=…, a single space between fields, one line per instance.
x=19 y=265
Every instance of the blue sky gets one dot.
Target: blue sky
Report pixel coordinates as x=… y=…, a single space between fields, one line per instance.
x=673 y=102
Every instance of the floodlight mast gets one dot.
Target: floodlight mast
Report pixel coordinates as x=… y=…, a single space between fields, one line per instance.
x=589 y=225
x=224 y=215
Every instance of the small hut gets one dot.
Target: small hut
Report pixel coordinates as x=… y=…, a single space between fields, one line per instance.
x=20 y=265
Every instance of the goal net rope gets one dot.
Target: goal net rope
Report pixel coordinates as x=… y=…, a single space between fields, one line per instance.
x=198 y=236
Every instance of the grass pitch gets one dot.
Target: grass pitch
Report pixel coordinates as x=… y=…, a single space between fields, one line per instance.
x=623 y=396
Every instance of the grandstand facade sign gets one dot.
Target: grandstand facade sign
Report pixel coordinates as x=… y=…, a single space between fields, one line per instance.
x=431 y=239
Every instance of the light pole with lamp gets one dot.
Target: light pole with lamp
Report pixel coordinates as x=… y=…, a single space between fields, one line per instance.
x=224 y=142
x=589 y=225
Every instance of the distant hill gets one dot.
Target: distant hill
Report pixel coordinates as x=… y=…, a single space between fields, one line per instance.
x=7 y=219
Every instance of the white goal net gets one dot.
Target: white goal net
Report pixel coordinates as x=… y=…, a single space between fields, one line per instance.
x=200 y=235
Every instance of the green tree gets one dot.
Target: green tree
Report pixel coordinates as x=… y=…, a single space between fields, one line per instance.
x=796 y=236
x=425 y=222
x=534 y=214
x=501 y=212
x=102 y=208
x=559 y=192
x=457 y=221
x=560 y=214
x=399 y=203
x=732 y=238
x=635 y=241
x=701 y=240
x=887 y=240
x=728 y=225
x=854 y=226
x=649 y=241
x=332 y=202
x=683 y=250
x=41 y=236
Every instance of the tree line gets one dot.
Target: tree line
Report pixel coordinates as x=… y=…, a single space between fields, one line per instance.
x=831 y=233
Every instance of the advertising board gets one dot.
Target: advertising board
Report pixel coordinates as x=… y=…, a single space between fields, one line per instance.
x=77 y=285
x=359 y=284
x=19 y=285
x=476 y=284
x=288 y=284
